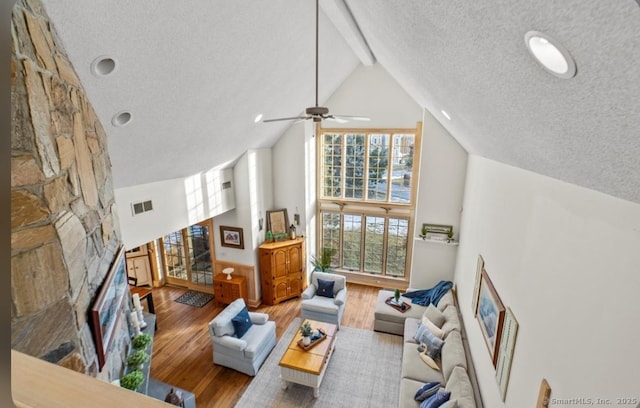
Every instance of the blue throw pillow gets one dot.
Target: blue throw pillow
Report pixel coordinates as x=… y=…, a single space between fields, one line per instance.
x=241 y=322
x=325 y=288
x=436 y=399
x=427 y=390
x=419 y=333
x=433 y=342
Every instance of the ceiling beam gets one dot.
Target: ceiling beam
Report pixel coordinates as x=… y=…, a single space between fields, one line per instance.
x=342 y=19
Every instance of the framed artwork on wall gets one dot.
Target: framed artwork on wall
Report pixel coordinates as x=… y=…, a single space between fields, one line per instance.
x=505 y=354
x=490 y=315
x=231 y=237
x=476 y=286
x=278 y=221
x=106 y=309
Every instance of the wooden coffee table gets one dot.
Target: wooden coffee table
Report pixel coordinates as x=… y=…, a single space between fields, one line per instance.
x=308 y=367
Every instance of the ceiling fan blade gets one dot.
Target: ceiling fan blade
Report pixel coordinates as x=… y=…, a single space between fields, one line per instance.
x=335 y=119
x=292 y=118
x=353 y=117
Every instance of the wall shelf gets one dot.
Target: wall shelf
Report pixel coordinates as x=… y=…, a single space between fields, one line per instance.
x=437 y=241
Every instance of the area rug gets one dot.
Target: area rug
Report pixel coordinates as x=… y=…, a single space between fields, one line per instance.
x=193 y=298
x=364 y=371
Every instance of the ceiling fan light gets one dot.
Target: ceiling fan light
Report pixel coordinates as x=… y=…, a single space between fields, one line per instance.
x=550 y=54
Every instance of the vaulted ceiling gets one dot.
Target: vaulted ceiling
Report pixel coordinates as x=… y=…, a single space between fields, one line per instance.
x=194 y=74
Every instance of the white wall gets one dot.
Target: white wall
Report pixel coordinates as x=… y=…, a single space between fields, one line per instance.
x=177 y=203
x=253 y=192
x=442 y=173
x=289 y=162
x=565 y=260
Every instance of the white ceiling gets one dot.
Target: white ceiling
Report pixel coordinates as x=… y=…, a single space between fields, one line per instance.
x=195 y=73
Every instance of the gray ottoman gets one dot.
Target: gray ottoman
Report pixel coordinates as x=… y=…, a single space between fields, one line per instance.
x=389 y=320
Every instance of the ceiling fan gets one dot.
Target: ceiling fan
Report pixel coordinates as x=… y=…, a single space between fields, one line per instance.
x=318 y=113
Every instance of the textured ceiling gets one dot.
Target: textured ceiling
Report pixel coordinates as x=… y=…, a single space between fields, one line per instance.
x=195 y=73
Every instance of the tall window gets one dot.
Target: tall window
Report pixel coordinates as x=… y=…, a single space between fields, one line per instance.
x=366 y=191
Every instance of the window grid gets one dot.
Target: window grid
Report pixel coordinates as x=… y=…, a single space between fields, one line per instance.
x=367 y=169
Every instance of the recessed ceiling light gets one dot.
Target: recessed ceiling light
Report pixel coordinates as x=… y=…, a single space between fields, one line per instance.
x=446 y=115
x=258 y=118
x=103 y=66
x=121 y=119
x=550 y=54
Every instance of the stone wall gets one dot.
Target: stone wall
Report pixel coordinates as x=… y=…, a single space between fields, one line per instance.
x=64 y=227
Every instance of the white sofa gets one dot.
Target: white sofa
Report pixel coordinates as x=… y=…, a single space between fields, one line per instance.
x=454 y=365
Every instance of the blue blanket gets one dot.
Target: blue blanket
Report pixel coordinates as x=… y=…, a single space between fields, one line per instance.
x=425 y=296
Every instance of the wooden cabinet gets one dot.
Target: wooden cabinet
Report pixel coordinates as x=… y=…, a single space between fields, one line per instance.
x=282 y=266
x=228 y=290
x=138 y=266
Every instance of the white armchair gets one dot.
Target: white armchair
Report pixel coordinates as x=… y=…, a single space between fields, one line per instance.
x=321 y=307
x=246 y=353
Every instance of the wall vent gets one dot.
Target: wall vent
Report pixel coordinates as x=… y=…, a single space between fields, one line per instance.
x=227 y=184
x=141 y=207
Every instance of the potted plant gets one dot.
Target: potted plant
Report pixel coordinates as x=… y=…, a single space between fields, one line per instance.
x=449 y=236
x=137 y=358
x=396 y=296
x=132 y=380
x=323 y=263
x=305 y=331
x=424 y=231
x=141 y=341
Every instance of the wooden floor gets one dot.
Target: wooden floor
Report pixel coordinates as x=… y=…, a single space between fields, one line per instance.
x=182 y=351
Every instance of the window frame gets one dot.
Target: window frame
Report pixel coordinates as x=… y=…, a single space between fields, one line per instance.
x=365 y=207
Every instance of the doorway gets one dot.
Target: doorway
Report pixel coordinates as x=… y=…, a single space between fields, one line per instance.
x=188 y=257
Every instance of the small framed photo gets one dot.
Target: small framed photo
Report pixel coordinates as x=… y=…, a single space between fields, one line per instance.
x=231 y=237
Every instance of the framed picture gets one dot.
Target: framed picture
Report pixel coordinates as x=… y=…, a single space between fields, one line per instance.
x=490 y=315
x=505 y=354
x=231 y=237
x=278 y=221
x=476 y=286
x=106 y=309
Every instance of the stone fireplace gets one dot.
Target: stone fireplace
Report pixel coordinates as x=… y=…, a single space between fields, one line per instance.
x=64 y=227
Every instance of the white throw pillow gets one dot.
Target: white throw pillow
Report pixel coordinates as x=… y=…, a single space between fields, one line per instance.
x=432 y=327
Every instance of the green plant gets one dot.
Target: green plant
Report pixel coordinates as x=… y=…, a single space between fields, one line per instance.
x=136 y=358
x=306 y=329
x=132 y=380
x=323 y=263
x=280 y=236
x=396 y=295
x=450 y=234
x=424 y=230
x=141 y=341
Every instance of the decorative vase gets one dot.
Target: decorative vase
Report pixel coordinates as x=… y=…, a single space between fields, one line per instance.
x=306 y=340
